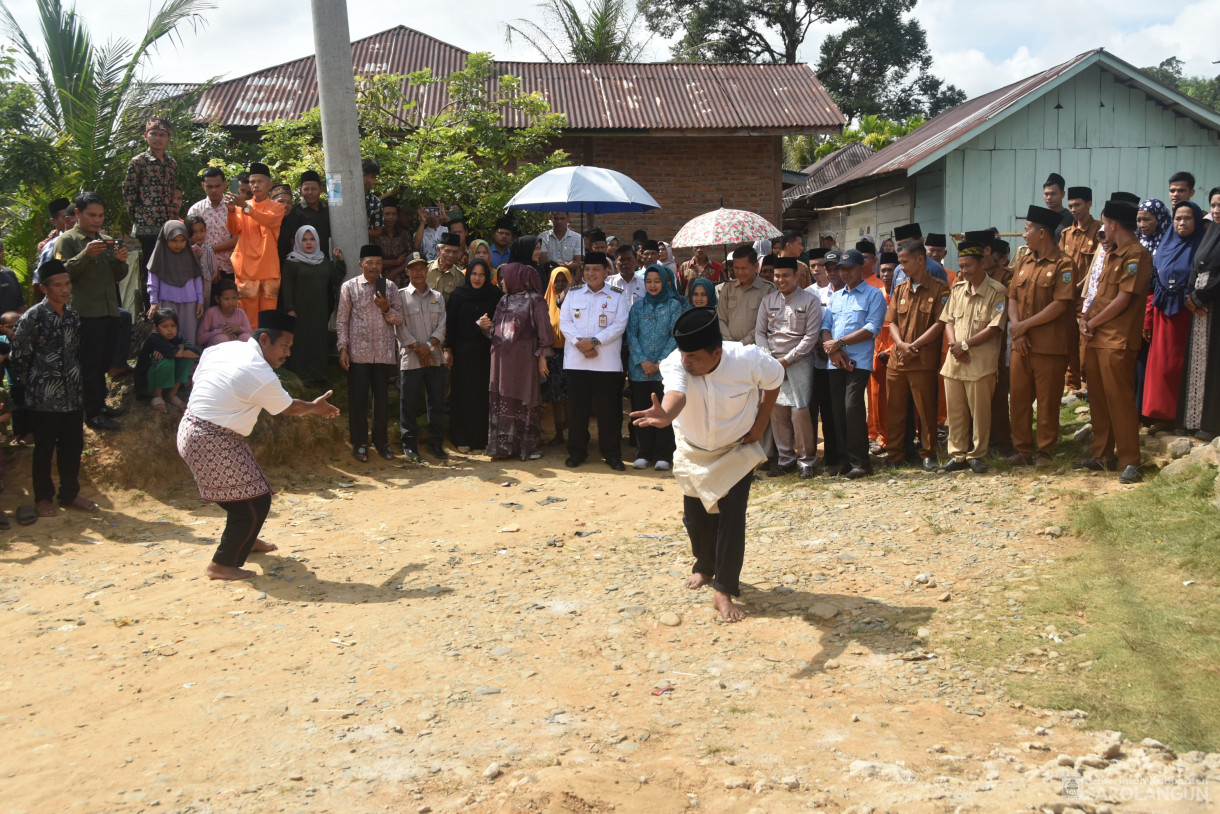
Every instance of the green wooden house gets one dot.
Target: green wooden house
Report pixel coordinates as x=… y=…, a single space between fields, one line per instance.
x=1096 y=120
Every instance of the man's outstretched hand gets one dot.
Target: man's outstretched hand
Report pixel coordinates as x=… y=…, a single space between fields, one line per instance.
x=654 y=416
x=323 y=407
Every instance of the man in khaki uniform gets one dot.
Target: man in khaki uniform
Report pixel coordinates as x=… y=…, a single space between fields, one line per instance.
x=914 y=324
x=444 y=275
x=1079 y=242
x=995 y=263
x=1112 y=326
x=1041 y=304
x=974 y=320
x=738 y=300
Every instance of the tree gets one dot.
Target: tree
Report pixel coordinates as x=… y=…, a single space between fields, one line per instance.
x=1199 y=88
x=881 y=66
x=741 y=30
x=871 y=131
x=607 y=34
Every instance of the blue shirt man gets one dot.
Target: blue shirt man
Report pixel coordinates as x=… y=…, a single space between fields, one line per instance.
x=854 y=306
x=913 y=230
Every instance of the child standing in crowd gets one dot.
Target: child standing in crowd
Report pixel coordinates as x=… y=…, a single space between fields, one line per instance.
x=175 y=278
x=165 y=362
x=208 y=263
x=21 y=432
x=224 y=321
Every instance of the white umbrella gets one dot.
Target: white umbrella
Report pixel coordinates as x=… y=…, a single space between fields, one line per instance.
x=592 y=190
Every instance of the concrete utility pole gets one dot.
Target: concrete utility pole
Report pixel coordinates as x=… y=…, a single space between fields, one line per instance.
x=340 y=132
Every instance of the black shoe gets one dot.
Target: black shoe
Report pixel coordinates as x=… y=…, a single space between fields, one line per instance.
x=573 y=462
x=955 y=466
x=1096 y=465
x=929 y=464
x=616 y=464
x=978 y=466
x=857 y=473
x=411 y=454
x=101 y=422
x=384 y=451
x=114 y=412
x=779 y=470
x=1131 y=474
x=806 y=472
x=438 y=451
x=361 y=454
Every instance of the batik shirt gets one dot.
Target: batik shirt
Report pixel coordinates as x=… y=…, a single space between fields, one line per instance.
x=46 y=358
x=149 y=192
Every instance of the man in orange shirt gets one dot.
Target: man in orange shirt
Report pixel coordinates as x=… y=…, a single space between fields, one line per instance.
x=877 y=400
x=256 y=260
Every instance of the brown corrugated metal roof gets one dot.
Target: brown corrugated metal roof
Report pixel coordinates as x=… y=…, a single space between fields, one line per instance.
x=621 y=96
x=824 y=172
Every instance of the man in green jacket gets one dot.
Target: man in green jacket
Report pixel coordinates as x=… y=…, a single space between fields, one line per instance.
x=96 y=263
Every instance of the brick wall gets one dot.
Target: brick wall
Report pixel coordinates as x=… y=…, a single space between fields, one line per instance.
x=687 y=175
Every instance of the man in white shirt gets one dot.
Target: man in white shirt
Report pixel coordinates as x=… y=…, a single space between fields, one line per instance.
x=718 y=397
x=235 y=381
x=559 y=243
x=627 y=282
x=593 y=319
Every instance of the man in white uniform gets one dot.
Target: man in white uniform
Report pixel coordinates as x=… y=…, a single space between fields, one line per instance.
x=718 y=396
x=235 y=381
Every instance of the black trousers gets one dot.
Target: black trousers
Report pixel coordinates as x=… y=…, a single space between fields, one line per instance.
x=246 y=518
x=147 y=244
x=652 y=443
x=718 y=541
x=821 y=408
x=360 y=379
x=98 y=336
x=122 y=338
x=595 y=393
x=432 y=380
x=62 y=436
x=847 y=391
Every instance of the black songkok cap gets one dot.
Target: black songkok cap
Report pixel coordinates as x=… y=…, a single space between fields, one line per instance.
x=784 y=263
x=1126 y=197
x=311 y=175
x=970 y=249
x=597 y=258
x=936 y=241
x=1080 y=193
x=771 y=260
x=450 y=239
x=866 y=247
x=1046 y=218
x=697 y=329
x=650 y=246
x=638 y=235
x=1121 y=211
x=1055 y=180
x=911 y=230
x=889 y=258
x=49 y=269
x=276 y=321
x=818 y=253
x=259 y=168
x=370 y=250
x=506 y=222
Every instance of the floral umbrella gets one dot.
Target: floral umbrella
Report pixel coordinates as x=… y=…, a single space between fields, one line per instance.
x=724 y=226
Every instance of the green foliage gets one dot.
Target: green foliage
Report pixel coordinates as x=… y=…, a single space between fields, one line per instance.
x=1199 y=88
x=606 y=34
x=872 y=131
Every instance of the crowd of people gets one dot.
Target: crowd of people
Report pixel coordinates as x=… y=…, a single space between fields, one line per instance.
x=887 y=355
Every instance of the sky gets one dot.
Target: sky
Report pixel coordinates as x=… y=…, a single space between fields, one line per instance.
x=978 y=45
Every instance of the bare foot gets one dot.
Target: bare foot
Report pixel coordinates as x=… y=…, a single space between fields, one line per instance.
x=177 y=402
x=82 y=504
x=262 y=545
x=215 y=571
x=158 y=404
x=728 y=611
x=46 y=508
x=696 y=581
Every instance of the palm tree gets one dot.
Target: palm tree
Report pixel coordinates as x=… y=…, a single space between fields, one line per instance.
x=607 y=34
x=90 y=92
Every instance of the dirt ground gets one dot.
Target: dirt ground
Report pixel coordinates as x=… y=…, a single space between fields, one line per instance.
x=494 y=637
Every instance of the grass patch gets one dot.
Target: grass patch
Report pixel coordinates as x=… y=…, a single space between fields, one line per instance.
x=1149 y=645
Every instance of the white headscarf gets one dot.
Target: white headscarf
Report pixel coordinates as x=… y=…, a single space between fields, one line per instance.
x=299 y=255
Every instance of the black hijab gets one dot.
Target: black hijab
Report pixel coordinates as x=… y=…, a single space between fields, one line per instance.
x=522 y=250
x=484 y=297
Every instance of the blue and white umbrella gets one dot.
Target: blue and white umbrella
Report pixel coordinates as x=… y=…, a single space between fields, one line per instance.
x=588 y=190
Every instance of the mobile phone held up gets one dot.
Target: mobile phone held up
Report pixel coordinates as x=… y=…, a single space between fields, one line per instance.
x=433 y=211
x=379 y=286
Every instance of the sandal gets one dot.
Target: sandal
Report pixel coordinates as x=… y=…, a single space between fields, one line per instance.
x=158 y=404
x=361 y=454
x=4 y=524
x=81 y=504
x=26 y=515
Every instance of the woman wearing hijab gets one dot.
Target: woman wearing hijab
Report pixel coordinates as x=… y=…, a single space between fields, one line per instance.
x=306 y=278
x=468 y=355
x=1152 y=222
x=702 y=293
x=481 y=250
x=521 y=341
x=175 y=278
x=1201 y=391
x=650 y=339
x=1167 y=320
x=555 y=384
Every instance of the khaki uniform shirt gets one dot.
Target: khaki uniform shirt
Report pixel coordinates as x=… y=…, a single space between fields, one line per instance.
x=970 y=312
x=1080 y=243
x=423 y=319
x=1036 y=283
x=914 y=312
x=789 y=327
x=1127 y=269
x=738 y=307
x=444 y=281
